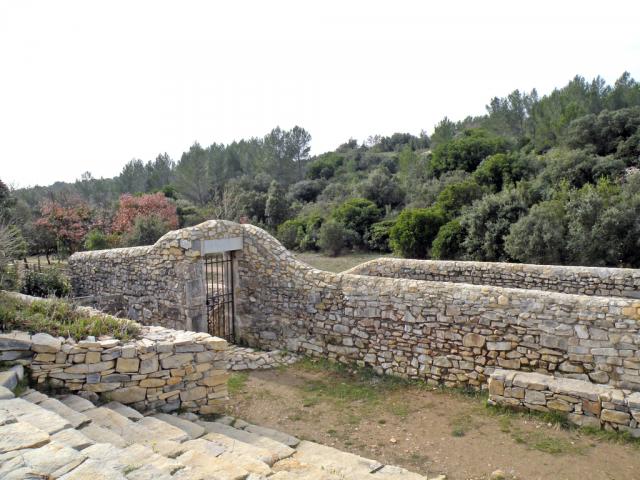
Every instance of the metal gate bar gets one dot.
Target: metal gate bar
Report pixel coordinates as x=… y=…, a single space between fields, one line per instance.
x=220 y=307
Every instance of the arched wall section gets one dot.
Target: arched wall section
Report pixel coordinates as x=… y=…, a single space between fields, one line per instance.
x=442 y=332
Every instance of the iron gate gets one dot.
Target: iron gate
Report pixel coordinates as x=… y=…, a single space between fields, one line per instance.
x=220 y=307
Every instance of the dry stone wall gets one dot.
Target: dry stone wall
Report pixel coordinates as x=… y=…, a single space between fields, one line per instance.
x=442 y=332
x=617 y=282
x=583 y=403
x=154 y=285
x=162 y=369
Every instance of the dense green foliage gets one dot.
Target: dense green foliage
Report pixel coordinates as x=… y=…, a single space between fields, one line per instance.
x=50 y=282
x=545 y=179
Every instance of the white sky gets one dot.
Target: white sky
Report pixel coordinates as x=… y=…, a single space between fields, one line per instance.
x=88 y=85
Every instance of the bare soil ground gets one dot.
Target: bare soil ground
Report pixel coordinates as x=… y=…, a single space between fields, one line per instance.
x=426 y=430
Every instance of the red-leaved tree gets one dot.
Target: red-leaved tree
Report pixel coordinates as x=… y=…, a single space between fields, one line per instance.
x=67 y=223
x=149 y=205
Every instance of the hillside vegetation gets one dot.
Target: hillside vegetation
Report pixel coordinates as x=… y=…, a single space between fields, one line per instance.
x=551 y=179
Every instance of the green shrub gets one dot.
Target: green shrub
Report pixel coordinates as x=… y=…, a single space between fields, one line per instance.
x=448 y=243
x=43 y=284
x=146 y=231
x=412 y=234
x=290 y=233
x=377 y=238
x=357 y=214
x=467 y=151
x=332 y=237
x=96 y=240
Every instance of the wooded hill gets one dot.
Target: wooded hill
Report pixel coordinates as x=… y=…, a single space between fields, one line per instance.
x=551 y=179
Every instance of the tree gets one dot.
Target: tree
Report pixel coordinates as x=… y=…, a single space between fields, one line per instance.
x=540 y=236
x=299 y=141
x=193 y=178
x=382 y=188
x=455 y=196
x=332 y=237
x=159 y=172
x=467 y=151
x=487 y=223
x=68 y=224
x=357 y=214
x=277 y=207
x=414 y=231
x=146 y=230
x=133 y=178
x=448 y=243
x=131 y=208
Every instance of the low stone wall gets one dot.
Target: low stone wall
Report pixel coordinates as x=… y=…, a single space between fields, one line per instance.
x=441 y=332
x=162 y=369
x=584 y=403
x=616 y=282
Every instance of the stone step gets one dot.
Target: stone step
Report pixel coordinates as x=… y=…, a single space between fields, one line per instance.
x=233 y=444
x=77 y=403
x=202 y=462
x=37 y=416
x=34 y=396
x=234 y=456
x=334 y=460
x=277 y=450
x=76 y=419
x=132 y=458
x=150 y=429
x=49 y=461
x=18 y=435
x=106 y=462
x=5 y=393
x=111 y=420
x=125 y=411
x=190 y=428
x=276 y=435
x=72 y=438
x=98 y=434
x=292 y=469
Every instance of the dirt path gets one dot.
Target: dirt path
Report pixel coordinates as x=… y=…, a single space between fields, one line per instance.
x=421 y=429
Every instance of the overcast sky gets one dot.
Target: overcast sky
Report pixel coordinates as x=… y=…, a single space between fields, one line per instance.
x=89 y=85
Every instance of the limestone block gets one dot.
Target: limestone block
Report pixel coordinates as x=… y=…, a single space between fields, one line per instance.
x=473 y=340
x=45 y=343
x=615 y=416
x=128 y=394
x=127 y=365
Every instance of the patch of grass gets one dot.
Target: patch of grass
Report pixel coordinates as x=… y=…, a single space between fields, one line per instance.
x=21 y=387
x=236 y=382
x=611 y=436
x=399 y=409
x=463 y=423
x=543 y=441
x=61 y=318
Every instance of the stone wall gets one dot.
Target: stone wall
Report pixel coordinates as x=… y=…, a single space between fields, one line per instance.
x=585 y=404
x=162 y=369
x=154 y=286
x=441 y=332
x=617 y=282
